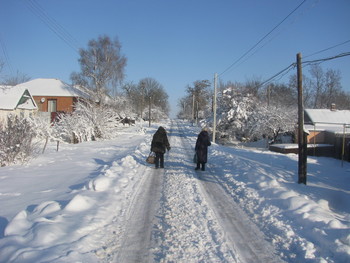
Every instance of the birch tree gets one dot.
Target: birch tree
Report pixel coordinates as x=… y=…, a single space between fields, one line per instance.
x=102 y=66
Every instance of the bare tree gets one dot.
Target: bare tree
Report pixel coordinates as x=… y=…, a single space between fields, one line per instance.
x=317 y=82
x=155 y=91
x=102 y=66
x=332 y=87
x=280 y=95
x=15 y=80
x=201 y=95
x=148 y=90
x=326 y=87
x=343 y=100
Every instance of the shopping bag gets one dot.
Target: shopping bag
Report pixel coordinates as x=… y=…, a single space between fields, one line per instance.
x=195 y=158
x=151 y=158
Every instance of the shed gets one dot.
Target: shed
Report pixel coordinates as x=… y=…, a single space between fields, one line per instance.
x=328 y=134
x=329 y=126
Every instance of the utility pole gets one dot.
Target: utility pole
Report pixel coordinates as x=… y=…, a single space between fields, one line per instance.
x=193 y=114
x=214 y=105
x=197 y=112
x=142 y=98
x=302 y=137
x=149 y=112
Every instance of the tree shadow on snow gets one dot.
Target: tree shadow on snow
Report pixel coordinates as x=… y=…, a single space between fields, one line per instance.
x=3 y=224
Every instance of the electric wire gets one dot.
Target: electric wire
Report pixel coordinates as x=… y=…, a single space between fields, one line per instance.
x=274 y=37
x=52 y=24
x=317 y=61
x=266 y=35
x=326 y=49
x=305 y=64
x=6 y=56
x=287 y=69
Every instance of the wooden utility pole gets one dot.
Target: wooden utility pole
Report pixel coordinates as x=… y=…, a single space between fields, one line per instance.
x=197 y=112
x=193 y=114
x=214 y=106
x=149 y=113
x=302 y=143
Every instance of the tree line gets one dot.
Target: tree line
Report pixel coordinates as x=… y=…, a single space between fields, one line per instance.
x=251 y=111
x=110 y=102
x=102 y=74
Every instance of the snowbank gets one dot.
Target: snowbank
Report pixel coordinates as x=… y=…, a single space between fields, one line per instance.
x=69 y=206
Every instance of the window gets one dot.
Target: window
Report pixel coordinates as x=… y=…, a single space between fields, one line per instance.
x=51 y=105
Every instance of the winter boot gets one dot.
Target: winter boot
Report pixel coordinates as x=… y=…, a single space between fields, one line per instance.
x=198 y=166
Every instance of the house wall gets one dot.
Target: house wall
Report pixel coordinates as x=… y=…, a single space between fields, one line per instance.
x=64 y=104
x=17 y=112
x=326 y=137
x=316 y=137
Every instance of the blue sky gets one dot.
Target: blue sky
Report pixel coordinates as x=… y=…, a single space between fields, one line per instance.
x=175 y=42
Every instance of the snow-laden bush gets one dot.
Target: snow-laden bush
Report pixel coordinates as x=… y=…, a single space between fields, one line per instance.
x=43 y=127
x=16 y=141
x=88 y=122
x=270 y=122
x=242 y=116
x=235 y=112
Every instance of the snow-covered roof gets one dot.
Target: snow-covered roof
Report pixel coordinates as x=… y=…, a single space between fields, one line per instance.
x=52 y=87
x=12 y=97
x=326 y=116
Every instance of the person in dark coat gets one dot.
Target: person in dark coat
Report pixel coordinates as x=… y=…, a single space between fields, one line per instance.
x=159 y=146
x=202 y=143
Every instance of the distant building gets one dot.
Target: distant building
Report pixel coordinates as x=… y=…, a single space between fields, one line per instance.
x=53 y=95
x=328 y=134
x=329 y=126
x=17 y=101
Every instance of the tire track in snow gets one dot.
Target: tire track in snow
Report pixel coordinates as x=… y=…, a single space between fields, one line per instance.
x=187 y=231
x=136 y=241
x=244 y=235
x=240 y=234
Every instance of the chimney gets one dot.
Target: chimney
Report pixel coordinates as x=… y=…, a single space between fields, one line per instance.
x=333 y=107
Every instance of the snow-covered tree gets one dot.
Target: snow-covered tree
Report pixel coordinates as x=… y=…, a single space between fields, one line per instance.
x=16 y=141
x=102 y=67
x=246 y=116
x=88 y=122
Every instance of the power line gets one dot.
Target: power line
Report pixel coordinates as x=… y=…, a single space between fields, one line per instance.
x=326 y=49
x=306 y=63
x=254 y=46
x=53 y=25
x=273 y=37
x=317 y=61
x=287 y=69
x=6 y=56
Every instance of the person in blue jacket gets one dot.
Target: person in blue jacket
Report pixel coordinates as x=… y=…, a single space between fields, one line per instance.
x=202 y=143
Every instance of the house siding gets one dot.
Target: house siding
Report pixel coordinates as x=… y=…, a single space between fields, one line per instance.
x=316 y=137
x=17 y=112
x=64 y=104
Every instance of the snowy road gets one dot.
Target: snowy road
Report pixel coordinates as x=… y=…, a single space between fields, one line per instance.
x=179 y=215
x=101 y=202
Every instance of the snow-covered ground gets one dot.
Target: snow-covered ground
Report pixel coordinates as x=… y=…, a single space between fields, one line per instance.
x=101 y=202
